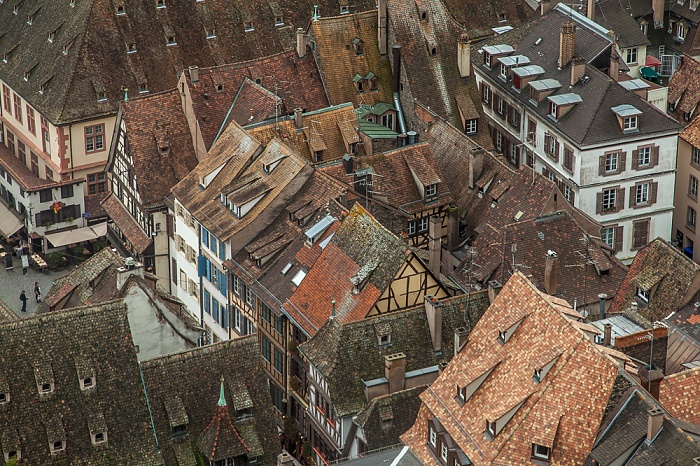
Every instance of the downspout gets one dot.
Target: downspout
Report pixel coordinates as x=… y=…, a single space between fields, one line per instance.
x=148 y=405
x=397 y=85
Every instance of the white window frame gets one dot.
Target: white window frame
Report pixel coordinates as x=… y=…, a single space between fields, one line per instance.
x=696 y=156
x=431 y=190
x=612 y=162
x=607 y=235
x=423 y=224
x=644 y=156
x=503 y=74
x=631 y=55
x=643 y=295
x=539 y=454
x=630 y=123
x=609 y=199
x=693 y=186
x=411 y=227
x=471 y=126
x=433 y=437
x=553 y=110
x=443 y=451
x=642 y=193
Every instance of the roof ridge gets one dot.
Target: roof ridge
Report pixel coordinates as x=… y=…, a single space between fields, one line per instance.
x=685 y=374
x=197 y=352
x=106 y=307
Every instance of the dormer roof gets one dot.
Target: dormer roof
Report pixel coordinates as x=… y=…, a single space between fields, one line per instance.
x=499 y=49
x=545 y=84
x=565 y=99
x=529 y=70
x=514 y=60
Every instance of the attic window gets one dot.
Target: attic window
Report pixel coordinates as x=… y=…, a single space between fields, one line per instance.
x=219 y=87
x=384 y=340
x=58 y=446
x=344 y=10
x=286 y=268
x=87 y=383
x=4 y=398
x=644 y=295
x=359 y=48
x=248 y=26
x=553 y=110
x=211 y=33
x=131 y=48
x=424 y=16
x=101 y=96
x=179 y=431
x=431 y=191
x=502 y=18
x=143 y=88
x=45 y=388
x=120 y=11
x=13 y=455
x=373 y=84
x=52 y=36
x=491 y=429
x=540 y=452
x=160 y=4
x=99 y=437
x=30 y=19
x=433 y=51
x=171 y=40
x=279 y=21
x=630 y=124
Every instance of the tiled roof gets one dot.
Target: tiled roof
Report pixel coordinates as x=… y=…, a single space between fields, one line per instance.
x=677 y=273
x=337 y=58
x=254 y=104
x=478 y=17
x=585 y=268
x=126 y=223
x=238 y=361
x=96 y=58
x=680 y=394
x=616 y=16
x=348 y=353
x=323 y=127
x=591 y=121
x=684 y=93
x=564 y=392
x=19 y=172
x=295 y=80
x=50 y=349
x=6 y=314
x=152 y=123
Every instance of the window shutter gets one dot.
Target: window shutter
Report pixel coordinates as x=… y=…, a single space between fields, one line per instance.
x=174 y=272
x=601 y=165
x=506 y=108
x=491 y=97
x=556 y=151
x=620 y=204
x=655 y=156
x=635 y=159
x=599 y=203
x=573 y=197
x=622 y=162
x=546 y=143
x=653 y=191
x=633 y=197
x=618 y=238
x=169 y=225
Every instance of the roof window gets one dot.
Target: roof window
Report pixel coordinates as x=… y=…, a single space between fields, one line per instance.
x=540 y=452
x=120 y=10
x=627 y=117
x=211 y=33
x=504 y=334
x=344 y=10
x=171 y=40
x=248 y=26
x=160 y=4
x=98 y=429
x=131 y=48
x=298 y=277
x=279 y=21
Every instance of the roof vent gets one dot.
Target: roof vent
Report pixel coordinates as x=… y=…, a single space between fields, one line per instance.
x=129 y=262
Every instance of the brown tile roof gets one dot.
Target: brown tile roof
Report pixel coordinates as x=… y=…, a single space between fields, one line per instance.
x=323 y=127
x=684 y=92
x=558 y=409
x=245 y=388
x=6 y=314
x=60 y=348
x=93 y=205
x=152 y=123
x=478 y=18
x=339 y=62
x=97 y=59
x=295 y=80
x=675 y=278
x=254 y=104
x=19 y=172
x=680 y=394
x=126 y=223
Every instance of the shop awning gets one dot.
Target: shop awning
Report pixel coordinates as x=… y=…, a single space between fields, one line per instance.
x=78 y=235
x=649 y=73
x=652 y=61
x=9 y=221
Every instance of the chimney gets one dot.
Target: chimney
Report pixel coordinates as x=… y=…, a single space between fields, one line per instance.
x=396 y=49
x=567 y=40
x=656 y=420
x=461 y=337
x=442 y=366
x=412 y=136
x=550 y=272
x=471 y=179
x=433 y=310
x=131 y=267
x=494 y=288
x=650 y=379
x=285 y=459
x=602 y=297
x=463 y=55
x=546 y=7
x=578 y=69
x=298 y=121
x=435 y=245
x=591 y=10
x=614 y=70
x=395 y=371
x=301 y=43
x=382 y=26
x=349 y=164
x=343 y=199
x=607 y=335
x=658 y=7
x=476 y=165
x=194 y=73
x=452 y=229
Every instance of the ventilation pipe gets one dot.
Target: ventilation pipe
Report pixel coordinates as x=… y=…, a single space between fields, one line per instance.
x=396 y=49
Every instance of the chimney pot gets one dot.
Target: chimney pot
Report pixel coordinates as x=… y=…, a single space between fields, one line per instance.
x=395 y=371
x=650 y=378
x=550 y=272
x=464 y=55
x=298 y=121
x=578 y=69
x=494 y=288
x=461 y=338
x=301 y=43
x=194 y=73
x=614 y=70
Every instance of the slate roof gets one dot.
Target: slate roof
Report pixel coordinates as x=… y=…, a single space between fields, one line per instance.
x=674 y=288
x=616 y=16
x=680 y=394
x=239 y=362
x=558 y=412
x=295 y=80
x=586 y=267
x=346 y=353
x=386 y=418
x=153 y=122
x=339 y=62
x=684 y=93
x=592 y=121
x=322 y=127
x=97 y=58
x=52 y=349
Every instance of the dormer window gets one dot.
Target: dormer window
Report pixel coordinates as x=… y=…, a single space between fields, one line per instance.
x=358 y=45
x=171 y=40
x=504 y=334
x=211 y=33
x=462 y=394
x=487 y=59
x=318 y=155
x=131 y=48
x=491 y=428
x=553 y=110
x=384 y=340
x=4 y=398
x=541 y=452
x=45 y=388
x=15 y=9
x=627 y=117
x=143 y=88
x=52 y=36
x=248 y=26
x=87 y=383
x=537 y=376
x=30 y=19
x=279 y=21
x=630 y=124
x=504 y=72
x=99 y=437
x=424 y=16
x=58 y=446
x=120 y=11
x=101 y=97
x=160 y=4
x=179 y=431
x=344 y=10
x=431 y=191
x=373 y=84
x=644 y=295
x=13 y=455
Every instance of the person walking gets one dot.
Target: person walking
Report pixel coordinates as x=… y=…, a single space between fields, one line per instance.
x=37 y=292
x=23 y=298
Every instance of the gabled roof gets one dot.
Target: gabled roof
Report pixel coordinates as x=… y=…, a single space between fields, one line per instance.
x=561 y=399
x=254 y=104
x=346 y=353
x=239 y=362
x=675 y=282
x=153 y=123
x=680 y=394
x=56 y=344
x=337 y=58
x=616 y=16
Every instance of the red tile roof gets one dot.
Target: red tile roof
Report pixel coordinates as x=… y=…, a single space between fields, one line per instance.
x=680 y=395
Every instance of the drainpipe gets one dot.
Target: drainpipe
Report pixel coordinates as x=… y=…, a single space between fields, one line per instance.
x=397 y=85
x=148 y=405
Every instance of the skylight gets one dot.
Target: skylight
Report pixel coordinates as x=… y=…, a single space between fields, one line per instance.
x=298 y=277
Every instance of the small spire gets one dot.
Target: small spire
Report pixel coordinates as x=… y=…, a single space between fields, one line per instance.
x=222 y=399
x=126 y=95
x=315 y=17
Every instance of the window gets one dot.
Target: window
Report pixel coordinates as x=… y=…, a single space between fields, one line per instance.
x=249 y=297
x=4 y=398
x=279 y=324
x=499 y=140
x=171 y=40
x=531 y=130
x=609 y=199
x=215 y=310
x=540 y=452
x=553 y=110
x=388 y=120
x=46 y=388
x=97 y=183
x=443 y=452
x=644 y=295
x=432 y=437
x=207 y=301
x=411 y=227
x=344 y=10
x=696 y=156
x=278 y=360
x=57 y=446
x=18 y=108
x=266 y=348
x=501 y=105
x=640 y=233
x=607 y=235
x=630 y=124
x=504 y=72
x=266 y=313
x=471 y=126
x=491 y=428
x=693 y=187
x=643 y=27
x=45 y=195
x=692 y=217
x=6 y=98
x=568 y=159
x=644 y=156
x=99 y=437
x=94 y=138
x=568 y=194
x=87 y=382
x=631 y=55
x=423 y=224
x=248 y=26
x=160 y=4
x=66 y=191
x=485 y=93
x=642 y=193
x=31 y=123
x=236 y=285
x=431 y=190
x=611 y=162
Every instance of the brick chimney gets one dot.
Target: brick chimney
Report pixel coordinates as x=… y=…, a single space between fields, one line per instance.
x=567 y=40
x=298 y=121
x=301 y=43
x=591 y=10
x=285 y=459
x=550 y=272
x=614 y=70
x=655 y=422
x=395 y=371
x=650 y=379
x=382 y=24
x=658 y=7
x=476 y=165
x=463 y=55
x=495 y=287
x=433 y=311
x=435 y=244
x=461 y=337
x=578 y=69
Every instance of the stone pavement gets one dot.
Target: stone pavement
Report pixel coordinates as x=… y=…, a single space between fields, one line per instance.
x=12 y=282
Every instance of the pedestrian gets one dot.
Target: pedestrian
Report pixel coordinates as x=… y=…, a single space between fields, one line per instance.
x=23 y=298
x=37 y=292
